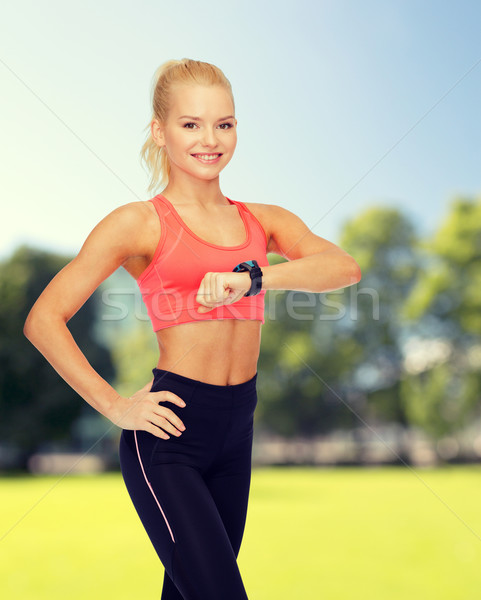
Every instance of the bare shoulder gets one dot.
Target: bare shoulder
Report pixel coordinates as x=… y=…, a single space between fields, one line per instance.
x=131 y=214
x=112 y=243
x=267 y=212
x=123 y=233
x=272 y=218
x=127 y=224
x=262 y=214
x=287 y=234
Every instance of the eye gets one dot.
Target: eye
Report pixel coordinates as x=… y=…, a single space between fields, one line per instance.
x=229 y=125
x=186 y=125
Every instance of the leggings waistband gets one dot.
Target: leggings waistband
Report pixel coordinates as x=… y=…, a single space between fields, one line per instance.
x=207 y=390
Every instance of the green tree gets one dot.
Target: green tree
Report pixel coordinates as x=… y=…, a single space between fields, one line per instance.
x=384 y=243
x=36 y=404
x=441 y=390
x=135 y=354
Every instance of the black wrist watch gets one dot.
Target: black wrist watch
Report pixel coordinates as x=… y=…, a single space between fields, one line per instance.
x=255 y=273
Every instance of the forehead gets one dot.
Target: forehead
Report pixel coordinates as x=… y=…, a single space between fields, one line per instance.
x=200 y=100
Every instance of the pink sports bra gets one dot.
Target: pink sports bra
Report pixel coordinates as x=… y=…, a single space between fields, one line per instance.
x=170 y=283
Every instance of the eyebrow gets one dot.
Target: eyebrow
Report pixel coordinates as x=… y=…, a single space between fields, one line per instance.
x=199 y=119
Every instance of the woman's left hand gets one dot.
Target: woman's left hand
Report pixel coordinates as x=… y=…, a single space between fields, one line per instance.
x=217 y=289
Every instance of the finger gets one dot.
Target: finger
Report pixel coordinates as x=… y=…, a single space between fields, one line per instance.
x=203 y=295
x=201 y=292
x=208 y=288
x=203 y=309
x=170 y=423
x=169 y=415
x=154 y=430
x=167 y=396
x=237 y=296
x=221 y=288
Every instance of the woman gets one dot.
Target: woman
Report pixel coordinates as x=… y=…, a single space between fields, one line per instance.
x=200 y=260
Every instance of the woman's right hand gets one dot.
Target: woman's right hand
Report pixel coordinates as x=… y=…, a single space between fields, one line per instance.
x=143 y=411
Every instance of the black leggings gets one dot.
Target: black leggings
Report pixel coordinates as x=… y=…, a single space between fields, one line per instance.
x=191 y=492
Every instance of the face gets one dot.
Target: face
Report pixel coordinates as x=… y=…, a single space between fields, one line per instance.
x=200 y=126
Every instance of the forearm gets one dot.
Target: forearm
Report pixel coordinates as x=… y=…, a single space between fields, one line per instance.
x=51 y=336
x=323 y=272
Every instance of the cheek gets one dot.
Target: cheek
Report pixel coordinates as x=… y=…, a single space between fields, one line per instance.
x=180 y=145
x=233 y=142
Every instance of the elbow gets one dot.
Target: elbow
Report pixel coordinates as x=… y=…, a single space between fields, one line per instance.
x=354 y=272
x=36 y=323
x=29 y=325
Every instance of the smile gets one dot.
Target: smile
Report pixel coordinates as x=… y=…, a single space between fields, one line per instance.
x=207 y=158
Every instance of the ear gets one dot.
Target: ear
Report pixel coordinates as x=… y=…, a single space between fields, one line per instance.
x=157 y=132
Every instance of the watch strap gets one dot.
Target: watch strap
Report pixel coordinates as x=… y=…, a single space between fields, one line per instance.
x=255 y=273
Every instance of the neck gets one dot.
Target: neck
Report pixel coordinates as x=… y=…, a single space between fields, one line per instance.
x=194 y=191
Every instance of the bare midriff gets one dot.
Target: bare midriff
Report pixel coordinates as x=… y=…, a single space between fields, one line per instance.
x=220 y=352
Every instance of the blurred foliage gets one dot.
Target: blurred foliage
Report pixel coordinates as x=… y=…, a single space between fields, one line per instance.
x=382 y=241
x=35 y=403
x=443 y=395
x=135 y=354
x=441 y=400
x=448 y=287
x=123 y=323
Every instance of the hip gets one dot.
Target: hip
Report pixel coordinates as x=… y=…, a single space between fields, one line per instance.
x=218 y=419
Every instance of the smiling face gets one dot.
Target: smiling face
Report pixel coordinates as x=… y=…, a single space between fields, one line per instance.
x=200 y=126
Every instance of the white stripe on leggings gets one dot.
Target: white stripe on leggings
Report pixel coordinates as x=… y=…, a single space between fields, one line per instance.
x=150 y=487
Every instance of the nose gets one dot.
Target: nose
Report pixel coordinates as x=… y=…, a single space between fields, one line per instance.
x=208 y=138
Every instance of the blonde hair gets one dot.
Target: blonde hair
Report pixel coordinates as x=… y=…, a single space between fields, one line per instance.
x=169 y=73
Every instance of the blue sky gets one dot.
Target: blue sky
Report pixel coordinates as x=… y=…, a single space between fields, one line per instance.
x=341 y=105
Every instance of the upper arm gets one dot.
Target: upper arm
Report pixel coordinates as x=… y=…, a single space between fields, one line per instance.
x=290 y=237
x=113 y=240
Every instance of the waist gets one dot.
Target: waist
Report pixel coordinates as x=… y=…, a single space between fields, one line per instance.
x=213 y=387
x=194 y=391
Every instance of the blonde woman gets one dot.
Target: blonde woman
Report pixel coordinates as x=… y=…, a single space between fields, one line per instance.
x=200 y=260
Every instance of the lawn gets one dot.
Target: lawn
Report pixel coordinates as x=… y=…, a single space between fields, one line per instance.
x=322 y=534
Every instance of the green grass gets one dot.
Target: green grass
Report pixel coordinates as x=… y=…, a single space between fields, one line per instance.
x=331 y=534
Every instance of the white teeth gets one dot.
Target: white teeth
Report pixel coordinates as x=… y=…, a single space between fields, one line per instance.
x=207 y=156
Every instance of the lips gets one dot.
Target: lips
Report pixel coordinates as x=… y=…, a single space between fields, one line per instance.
x=208 y=158
x=204 y=154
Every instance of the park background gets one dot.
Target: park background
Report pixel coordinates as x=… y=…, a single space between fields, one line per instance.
x=363 y=119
